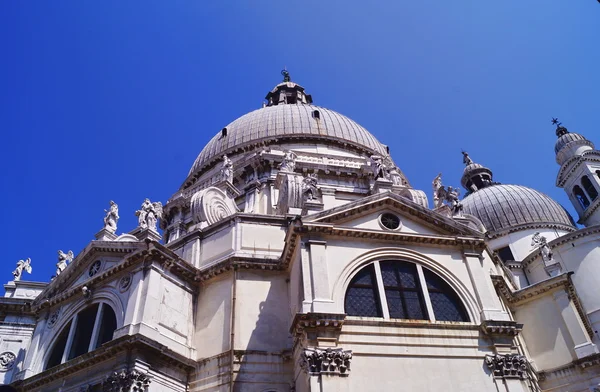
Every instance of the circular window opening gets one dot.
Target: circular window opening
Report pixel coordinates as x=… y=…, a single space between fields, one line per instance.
x=390 y=221
x=94 y=268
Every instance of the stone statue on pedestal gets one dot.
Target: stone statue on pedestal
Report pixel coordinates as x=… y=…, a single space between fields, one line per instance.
x=22 y=265
x=149 y=214
x=63 y=261
x=111 y=218
x=227 y=169
x=289 y=162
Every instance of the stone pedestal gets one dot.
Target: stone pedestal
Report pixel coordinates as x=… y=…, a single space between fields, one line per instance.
x=143 y=234
x=381 y=185
x=105 y=235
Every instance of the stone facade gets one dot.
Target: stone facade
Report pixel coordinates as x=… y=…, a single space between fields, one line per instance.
x=301 y=259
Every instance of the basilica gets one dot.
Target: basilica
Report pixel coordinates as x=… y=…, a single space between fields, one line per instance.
x=296 y=256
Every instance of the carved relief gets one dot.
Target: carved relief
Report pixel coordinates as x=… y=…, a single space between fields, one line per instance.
x=124 y=283
x=95 y=268
x=53 y=318
x=126 y=381
x=318 y=361
x=508 y=365
x=212 y=205
x=7 y=360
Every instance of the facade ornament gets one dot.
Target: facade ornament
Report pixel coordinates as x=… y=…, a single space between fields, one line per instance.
x=149 y=214
x=212 y=205
x=508 y=366
x=541 y=243
x=286 y=75
x=380 y=169
x=227 y=169
x=395 y=176
x=111 y=218
x=289 y=162
x=53 y=318
x=309 y=187
x=318 y=361
x=446 y=194
x=7 y=361
x=87 y=292
x=437 y=185
x=22 y=265
x=63 y=261
x=467 y=159
x=126 y=381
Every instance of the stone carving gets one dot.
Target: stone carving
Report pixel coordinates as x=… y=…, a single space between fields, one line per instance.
x=309 y=187
x=508 y=365
x=227 y=169
x=446 y=194
x=437 y=185
x=289 y=162
x=95 y=268
x=212 y=205
x=149 y=214
x=63 y=261
x=467 y=159
x=87 y=292
x=126 y=381
x=22 y=265
x=7 y=360
x=53 y=318
x=326 y=361
x=125 y=282
x=380 y=169
x=111 y=218
x=541 y=243
x=395 y=176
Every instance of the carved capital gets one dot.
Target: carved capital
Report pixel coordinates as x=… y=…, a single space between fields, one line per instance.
x=508 y=366
x=333 y=361
x=126 y=381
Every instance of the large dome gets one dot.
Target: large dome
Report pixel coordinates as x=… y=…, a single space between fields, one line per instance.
x=279 y=123
x=504 y=207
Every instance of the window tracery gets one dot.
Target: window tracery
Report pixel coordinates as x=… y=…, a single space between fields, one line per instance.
x=410 y=291
x=87 y=330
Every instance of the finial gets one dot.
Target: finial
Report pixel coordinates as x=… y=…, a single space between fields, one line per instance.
x=286 y=75
x=466 y=158
x=560 y=130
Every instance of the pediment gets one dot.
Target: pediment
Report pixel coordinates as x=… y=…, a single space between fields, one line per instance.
x=95 y=258
x=366 y=214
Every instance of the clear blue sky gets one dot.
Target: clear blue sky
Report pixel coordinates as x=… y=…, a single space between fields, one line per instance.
x=114 y=99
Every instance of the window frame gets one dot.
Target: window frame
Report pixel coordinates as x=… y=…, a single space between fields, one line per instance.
x=71 y=325
x=425 y=294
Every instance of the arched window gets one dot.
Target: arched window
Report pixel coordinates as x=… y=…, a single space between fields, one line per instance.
x=589 y=187
x=409 y=292
x=598 y=173
x=86 y=331
x=581 y=197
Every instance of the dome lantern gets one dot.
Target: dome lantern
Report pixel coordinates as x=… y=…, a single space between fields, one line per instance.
x=475 y=176
x=287 y=92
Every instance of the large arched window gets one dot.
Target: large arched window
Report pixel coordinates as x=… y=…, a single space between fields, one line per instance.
x=581 y=197
x=408 y=291
x=86 y=331
x=589 y=187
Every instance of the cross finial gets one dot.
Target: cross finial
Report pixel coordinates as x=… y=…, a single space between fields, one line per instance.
x=556 y=122
x=286 y=75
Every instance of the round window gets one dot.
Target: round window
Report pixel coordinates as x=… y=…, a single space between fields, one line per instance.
x=94 y=268
x=390 y=221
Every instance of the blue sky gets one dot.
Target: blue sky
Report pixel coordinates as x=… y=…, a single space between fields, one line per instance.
x=113 y=100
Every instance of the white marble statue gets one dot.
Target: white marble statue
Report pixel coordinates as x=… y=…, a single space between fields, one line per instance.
x=380 y=169
x=22 y=265
x=288 y=164
x=541 y=243
x=63 y=261
x=149 y=214
x=111 y=218
x=227 y=169
x=437 y=185
x=309 y=187
x=467 y=159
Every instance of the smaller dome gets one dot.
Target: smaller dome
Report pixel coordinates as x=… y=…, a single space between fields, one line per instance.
x=475 y=176
x=566 y=139
x=502 y=207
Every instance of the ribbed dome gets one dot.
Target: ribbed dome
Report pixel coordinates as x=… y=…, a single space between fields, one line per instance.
x=275 y=124
x=566 y=139
x=502 y=207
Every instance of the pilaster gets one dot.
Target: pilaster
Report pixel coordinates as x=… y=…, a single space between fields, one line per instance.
x=583 y=346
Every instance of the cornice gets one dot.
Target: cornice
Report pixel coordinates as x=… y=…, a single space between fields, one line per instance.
x=527 y=226
x=107 y=351
x=16 y=305
x=588 y=212
x=316 y=321
x=519 y=297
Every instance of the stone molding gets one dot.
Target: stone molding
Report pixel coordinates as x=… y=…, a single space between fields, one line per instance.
x=329 y=361
x=516 y=298
x=573 y=163
x=526 y=226
x=126 y=381
x=508 y=366
x=316 y=321
x=501 y=328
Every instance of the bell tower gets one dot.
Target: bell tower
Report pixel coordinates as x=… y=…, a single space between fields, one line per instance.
x=579 y=173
